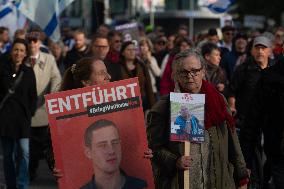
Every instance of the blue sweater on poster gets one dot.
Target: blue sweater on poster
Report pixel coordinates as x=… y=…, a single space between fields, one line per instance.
x=194 y=125
x=182 y=123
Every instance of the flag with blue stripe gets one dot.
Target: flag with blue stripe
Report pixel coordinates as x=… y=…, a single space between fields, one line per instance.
x=220 y=6
x=5 y=11
x=9 y=16
x=45 y=13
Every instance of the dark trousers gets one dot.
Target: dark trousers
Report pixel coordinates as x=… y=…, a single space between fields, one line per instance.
x=40 y=147
x=277 y=172
x=16 y=162
x=8 y=146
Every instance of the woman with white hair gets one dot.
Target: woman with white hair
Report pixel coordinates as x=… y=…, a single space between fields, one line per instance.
x=217 y=162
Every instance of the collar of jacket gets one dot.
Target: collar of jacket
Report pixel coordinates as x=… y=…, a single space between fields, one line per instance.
x=40 y=61
x=252 y=65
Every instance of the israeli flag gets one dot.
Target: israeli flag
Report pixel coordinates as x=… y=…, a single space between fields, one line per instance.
x=45 y=13
x=5 y=9
x=219 y=6
x=10 y=16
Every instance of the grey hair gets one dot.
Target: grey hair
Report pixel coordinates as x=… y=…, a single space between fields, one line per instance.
x=179 y=58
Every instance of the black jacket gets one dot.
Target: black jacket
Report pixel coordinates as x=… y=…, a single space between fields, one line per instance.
x=18 y=109
x=130 y=183
x=114 y=70
x=266 y=114
x=243 y=84
x=74 y=55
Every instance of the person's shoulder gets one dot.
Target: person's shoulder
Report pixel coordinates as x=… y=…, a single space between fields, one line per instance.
x=228 y=55
x=250 y=62
x=140 y=62
x=27 y=68
x=163 y=104
x=71 y=51
x=5 y=57
x=6 y=65
x=45 y=55
x=134 y=183
x=273 y=76
x=248 y=65
x=154 y=59
x=278 y=67
x=111 y=65
x=44 y=49
x=165 y=98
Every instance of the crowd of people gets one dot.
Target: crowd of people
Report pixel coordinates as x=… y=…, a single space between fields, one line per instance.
x=241 y=75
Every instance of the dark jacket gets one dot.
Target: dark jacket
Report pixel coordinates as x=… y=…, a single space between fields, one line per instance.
x=228 y=62
x=160 y=56
x=224 y=159
x=243 y=84
x=216 y=75
x=74 y=55
x=144 y=82
x=60 y=65
x=266 y=115
x=19 y=107
x=114 y=70
x=130 y=183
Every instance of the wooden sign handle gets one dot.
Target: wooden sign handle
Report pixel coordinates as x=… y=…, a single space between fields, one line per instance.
x=186 y=172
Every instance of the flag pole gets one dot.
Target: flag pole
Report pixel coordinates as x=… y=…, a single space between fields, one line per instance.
x=186 y=172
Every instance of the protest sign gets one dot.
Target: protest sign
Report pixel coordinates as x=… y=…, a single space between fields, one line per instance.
x=71 y=112
x=129 y=32
x=187 y=117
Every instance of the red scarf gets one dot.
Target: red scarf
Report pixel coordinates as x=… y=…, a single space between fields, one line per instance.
x=113 y=56
x=278 y=49
x=215 y=107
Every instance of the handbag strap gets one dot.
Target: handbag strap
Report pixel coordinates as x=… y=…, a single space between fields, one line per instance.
x=12 y=89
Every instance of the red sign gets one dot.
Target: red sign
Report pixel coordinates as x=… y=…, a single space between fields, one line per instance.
x=71 y=112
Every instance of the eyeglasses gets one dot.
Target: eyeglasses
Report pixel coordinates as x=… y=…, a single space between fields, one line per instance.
x=192 y=73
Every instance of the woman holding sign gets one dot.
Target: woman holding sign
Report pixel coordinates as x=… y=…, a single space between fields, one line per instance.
x=212 y=163
x=86 y=72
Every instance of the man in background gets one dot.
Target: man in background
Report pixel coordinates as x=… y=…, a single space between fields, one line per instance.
x=48 y=80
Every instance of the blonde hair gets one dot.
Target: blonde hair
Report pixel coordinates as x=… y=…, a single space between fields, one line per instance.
x=79 y=31
x=145 y=40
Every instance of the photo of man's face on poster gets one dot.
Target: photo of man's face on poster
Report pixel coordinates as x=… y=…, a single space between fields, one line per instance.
x=103 y=148
x=98 y=144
